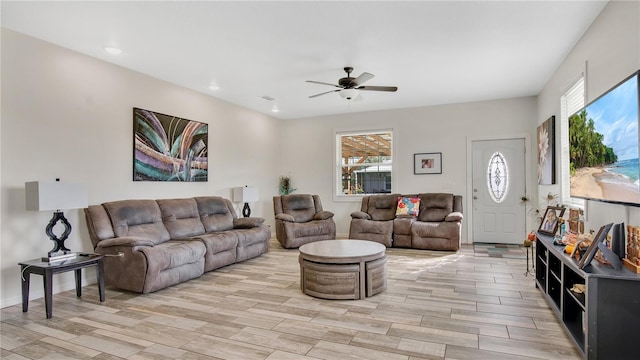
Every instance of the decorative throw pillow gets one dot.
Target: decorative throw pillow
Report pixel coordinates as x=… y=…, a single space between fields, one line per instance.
x=408 y=206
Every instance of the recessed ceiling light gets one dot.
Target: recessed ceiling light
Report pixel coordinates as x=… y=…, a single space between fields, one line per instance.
x=214 y=87
x=275 y=109
x=112 y=50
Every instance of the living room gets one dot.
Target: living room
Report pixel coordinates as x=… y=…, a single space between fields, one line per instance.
x=67 y=115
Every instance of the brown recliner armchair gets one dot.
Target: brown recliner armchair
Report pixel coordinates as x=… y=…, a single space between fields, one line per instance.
x=300 y=219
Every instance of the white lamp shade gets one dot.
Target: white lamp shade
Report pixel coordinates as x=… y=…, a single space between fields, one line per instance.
x=245 y=194
x=55 y=195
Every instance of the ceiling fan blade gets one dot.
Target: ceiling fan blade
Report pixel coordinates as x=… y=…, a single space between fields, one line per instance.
x=323 y=83
x=378 y=88
x=365 y=76
x=324 y=93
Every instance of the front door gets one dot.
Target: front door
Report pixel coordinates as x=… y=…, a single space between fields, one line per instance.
x=498 y=186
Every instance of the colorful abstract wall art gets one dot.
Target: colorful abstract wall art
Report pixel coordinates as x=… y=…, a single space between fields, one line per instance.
x=169 y=148
x=546 y=152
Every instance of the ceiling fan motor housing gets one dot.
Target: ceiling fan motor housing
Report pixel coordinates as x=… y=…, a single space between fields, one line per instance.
x=347 y=82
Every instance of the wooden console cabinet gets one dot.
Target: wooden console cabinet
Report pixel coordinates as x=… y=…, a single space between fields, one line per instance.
x=604 y=321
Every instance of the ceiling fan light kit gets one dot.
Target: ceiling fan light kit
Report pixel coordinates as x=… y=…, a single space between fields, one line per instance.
x=348 y=93
x=348 y=87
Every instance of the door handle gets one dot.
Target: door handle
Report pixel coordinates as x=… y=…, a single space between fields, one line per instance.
x=475 y=197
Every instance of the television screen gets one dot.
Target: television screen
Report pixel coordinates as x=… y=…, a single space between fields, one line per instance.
x=603 y=146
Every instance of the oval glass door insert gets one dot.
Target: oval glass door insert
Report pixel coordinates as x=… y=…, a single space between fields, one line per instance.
x=498 y=177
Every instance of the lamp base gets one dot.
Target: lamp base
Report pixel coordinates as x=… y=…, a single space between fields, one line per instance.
x=246 y=210
x=58 y=258
x=58 y=241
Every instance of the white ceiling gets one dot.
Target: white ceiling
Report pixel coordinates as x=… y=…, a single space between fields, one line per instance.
x=436 y=52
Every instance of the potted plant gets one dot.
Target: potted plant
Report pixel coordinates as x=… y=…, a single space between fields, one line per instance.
x=285 y=185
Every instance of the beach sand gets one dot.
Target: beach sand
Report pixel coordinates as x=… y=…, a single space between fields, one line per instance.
x=588 y=182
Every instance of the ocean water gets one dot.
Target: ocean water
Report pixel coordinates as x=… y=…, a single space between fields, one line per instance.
x=627 y=172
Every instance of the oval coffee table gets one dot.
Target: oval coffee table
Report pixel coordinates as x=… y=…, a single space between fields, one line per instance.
x=343 y=269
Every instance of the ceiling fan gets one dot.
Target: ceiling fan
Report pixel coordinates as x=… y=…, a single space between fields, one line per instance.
x=348 y=86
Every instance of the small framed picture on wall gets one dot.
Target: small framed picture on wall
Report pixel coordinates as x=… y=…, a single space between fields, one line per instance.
x=427 y=163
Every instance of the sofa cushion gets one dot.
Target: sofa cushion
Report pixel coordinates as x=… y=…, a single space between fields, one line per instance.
x=454 y=216
x=98 y=223
x=323 y=215
x=382 y=207
x=215 y=213
x=221 y=249
x=181 y=217
x=173 y=262
x=408 y=206
x=435 y=207
x=140 y=218
x=247 y=222
x=219 y=241
x=300 y=206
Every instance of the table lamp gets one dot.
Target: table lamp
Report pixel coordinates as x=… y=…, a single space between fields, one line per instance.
x=56 y=196
x=246 y=195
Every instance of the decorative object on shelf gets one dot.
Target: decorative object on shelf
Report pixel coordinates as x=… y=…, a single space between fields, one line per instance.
x=246 y=195
x=168 y=148
x=427 y=163
x=546 y=152
x=56 y=196
x=549 y=222
x=579 y=288
x=285 y=186
x=632 y=258
x=576 y=221
x=593 y=248
x=618 y=240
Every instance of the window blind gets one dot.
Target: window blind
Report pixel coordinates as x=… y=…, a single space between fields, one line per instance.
x=570 y=102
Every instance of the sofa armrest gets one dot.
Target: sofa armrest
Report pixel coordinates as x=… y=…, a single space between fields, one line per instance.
x=360 y=215
x=285 y=217
x=125 y=241
x=454 y=216
x=323 y=215
x=247 y=223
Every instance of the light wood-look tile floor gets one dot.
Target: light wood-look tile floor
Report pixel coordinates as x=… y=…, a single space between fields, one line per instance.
x=437 y=306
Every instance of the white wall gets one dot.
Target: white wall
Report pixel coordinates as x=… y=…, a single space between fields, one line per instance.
x=307 y=147
x=69 y=116
x=609 y=51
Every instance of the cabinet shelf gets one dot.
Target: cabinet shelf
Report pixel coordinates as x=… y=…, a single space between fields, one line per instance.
x=596 y=319
x=578 y=298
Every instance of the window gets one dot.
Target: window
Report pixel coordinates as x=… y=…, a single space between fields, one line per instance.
x=570 y=102
x=498 y=177
x=364 y=162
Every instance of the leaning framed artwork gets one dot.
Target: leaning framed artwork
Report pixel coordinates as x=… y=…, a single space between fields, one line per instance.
x=546 y=152
x=427 y=163
x=169 y=148
x=549 y=223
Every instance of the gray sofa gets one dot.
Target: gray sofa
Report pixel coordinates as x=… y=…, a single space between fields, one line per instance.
x=165 y=242
x=438 y=225
x=300 y=219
